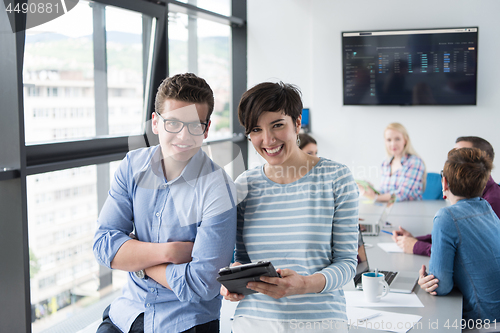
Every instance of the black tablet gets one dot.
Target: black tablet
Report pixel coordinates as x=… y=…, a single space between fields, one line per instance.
x=235 y=278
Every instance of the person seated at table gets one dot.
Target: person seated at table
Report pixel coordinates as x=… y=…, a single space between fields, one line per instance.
x=308 y=144
x=466 y=251
x=422 y=245
x=403 y=173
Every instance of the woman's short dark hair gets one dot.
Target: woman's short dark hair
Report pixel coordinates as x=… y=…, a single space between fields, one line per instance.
x=480 y=143
x=467 y=171
x=272 y=97
x=305 y=139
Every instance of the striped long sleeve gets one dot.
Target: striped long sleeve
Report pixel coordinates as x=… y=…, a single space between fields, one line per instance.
x=309 y=226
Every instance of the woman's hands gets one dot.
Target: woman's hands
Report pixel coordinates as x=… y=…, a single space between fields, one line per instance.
x=427 y=282
x=290 y=283
x=366 y=191
x=233 y=297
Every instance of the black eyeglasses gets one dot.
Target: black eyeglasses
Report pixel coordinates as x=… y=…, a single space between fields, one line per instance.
x=441 y=173
x=175 y=126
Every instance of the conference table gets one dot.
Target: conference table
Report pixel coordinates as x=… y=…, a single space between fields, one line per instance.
x=439 y=312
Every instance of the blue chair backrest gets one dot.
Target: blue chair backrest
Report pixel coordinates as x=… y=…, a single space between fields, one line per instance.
x=433 y=189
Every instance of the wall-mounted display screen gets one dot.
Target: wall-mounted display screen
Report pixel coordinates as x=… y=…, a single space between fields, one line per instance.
x=410 y=67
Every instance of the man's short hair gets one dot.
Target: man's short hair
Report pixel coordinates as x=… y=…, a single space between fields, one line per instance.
x=272 y=97
x=480 y=143
x=467 y=171
x=187 y=88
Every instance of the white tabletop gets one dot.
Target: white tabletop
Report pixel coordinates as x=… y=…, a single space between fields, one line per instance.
x=416 y=217
x=438 y=309
x=417 y=208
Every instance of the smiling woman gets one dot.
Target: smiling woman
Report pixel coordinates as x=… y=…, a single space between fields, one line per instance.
x=298 y=211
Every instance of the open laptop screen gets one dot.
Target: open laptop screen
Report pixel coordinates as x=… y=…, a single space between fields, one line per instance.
x=362 y=260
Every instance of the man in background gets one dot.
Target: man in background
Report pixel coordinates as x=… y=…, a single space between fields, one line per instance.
x=422 y=245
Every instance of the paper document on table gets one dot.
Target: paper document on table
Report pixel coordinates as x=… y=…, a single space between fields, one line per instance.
x=357 y=298
x=390 y=247
x=382 y=320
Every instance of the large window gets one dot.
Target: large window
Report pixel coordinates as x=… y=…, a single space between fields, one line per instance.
x=60 y=76
x=217 y=6
x=125 y=65
x=77 y=100
x=203 y=47
x=84 y=76
x=65 y=277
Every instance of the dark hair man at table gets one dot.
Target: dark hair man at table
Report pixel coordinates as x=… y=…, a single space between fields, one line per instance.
x=422 y=245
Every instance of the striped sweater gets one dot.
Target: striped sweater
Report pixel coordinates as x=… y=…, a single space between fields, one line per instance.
x=309 y=226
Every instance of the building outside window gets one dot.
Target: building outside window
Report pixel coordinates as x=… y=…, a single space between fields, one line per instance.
x=86 y=76
x=203 y=47
x=59 y=79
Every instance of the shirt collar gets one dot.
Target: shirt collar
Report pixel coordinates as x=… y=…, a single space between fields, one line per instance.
x=192 y=171
x=403 y=159
x=189 y=174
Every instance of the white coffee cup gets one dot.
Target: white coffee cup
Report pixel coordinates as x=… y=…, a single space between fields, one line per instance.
x=373 y=285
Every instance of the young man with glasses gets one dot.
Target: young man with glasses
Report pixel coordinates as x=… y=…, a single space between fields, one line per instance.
x=169 y=220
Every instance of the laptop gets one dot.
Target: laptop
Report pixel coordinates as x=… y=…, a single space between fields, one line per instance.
x=399 y=282
x=372 y=217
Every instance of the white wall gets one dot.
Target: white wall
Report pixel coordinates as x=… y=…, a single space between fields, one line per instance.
x=279 y=47
x=299 y=41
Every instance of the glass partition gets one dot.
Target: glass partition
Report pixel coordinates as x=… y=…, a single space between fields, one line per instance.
x=204 y=47
x=60 y=75
x=66 y=279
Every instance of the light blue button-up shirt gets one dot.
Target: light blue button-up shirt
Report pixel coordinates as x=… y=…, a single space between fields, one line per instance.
x=198 y=206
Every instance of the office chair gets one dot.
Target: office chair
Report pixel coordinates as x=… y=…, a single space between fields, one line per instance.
x=433 y=189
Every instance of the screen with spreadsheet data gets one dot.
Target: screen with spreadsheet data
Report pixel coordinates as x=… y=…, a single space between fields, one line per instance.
x=410 y=67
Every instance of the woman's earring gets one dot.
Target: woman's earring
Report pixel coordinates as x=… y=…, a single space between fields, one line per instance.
x=444 y=196
x=298 y=141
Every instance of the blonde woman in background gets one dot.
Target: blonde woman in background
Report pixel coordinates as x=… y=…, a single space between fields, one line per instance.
x=403 y=172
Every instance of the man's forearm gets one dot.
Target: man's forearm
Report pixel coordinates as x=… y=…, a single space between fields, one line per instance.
x=135 y=255
x=158 y=274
